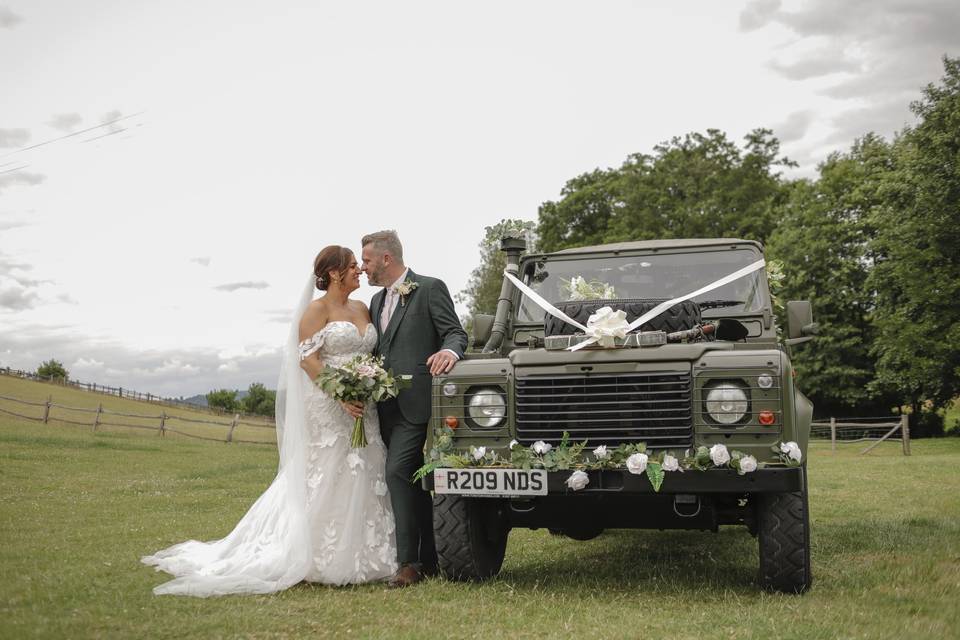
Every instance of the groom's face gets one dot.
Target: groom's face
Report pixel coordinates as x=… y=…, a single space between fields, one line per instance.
x=374 y=266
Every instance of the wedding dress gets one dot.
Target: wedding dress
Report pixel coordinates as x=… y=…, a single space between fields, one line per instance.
x=327 y=516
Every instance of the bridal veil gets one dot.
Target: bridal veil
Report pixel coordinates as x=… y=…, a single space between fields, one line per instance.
x=269 y=549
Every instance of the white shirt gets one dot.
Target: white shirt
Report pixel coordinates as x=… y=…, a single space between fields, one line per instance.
x=390 y=301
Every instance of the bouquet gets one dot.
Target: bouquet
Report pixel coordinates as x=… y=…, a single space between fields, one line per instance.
x=359 y=380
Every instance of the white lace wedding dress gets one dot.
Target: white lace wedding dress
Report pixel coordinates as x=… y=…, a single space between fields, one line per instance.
x=349 y=512
x=326 y=517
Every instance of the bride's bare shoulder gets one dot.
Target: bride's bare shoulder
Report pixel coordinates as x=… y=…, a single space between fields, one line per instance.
x=314 y=319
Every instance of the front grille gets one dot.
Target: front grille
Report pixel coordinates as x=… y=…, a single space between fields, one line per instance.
x=654 y=408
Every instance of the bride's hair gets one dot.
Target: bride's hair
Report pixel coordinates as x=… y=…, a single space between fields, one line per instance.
x=332 y=258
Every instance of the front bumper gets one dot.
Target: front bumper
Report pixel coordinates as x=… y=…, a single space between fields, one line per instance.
x=713 y=481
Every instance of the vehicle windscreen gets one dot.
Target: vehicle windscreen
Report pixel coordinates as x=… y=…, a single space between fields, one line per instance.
x=656 y=276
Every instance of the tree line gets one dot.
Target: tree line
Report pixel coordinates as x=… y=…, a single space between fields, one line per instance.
x=873 y=241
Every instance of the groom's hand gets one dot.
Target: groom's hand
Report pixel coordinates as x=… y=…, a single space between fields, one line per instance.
x=354 y=408
x=441 y=362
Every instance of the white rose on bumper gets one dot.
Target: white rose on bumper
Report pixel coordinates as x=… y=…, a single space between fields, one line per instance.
x=578 y=480
x=670 y=463
x=748 y=464
x=513 y=443
x=601 y=453
x=540 y=447
x=792 y=449
x=479 y=452
x=606 y=324
x=637 y=463
x=719 y=455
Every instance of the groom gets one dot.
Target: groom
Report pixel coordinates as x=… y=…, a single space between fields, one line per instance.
x=420 y=335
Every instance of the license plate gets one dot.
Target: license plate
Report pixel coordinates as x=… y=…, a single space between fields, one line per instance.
x=491 y=482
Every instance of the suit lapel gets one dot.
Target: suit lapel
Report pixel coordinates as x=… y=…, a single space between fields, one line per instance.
x=400 y=311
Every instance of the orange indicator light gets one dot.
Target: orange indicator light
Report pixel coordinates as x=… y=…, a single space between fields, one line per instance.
x=452 y=422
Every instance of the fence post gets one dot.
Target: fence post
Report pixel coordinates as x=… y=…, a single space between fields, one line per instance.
x=163 y=423
x=233 y=426
x=96 y=418
x=905 y=433
x=833 y=434
x=46 y=409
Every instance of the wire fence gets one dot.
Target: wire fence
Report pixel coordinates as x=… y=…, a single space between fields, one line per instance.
x=859 y=430
x=162 y=423
x=120 y=392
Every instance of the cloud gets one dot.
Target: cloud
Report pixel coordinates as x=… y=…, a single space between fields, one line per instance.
x=795 y=126
x=203 y=261
x=169 y=373
x=14 y=296
x=13 y=224
x=8 y=19
x=236 y=286
x=24 y=178
x=14 y=138
x=872 y=56
x=66 y=122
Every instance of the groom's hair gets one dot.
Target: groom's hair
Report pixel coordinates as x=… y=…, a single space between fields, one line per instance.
x=385 y=242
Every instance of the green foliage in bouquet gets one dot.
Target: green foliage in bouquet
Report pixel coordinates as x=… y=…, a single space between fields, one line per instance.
x=361 y=380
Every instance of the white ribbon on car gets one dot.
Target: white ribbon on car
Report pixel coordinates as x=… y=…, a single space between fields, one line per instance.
x=605 y=324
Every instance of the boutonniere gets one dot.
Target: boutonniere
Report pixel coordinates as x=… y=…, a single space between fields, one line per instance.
x=405 y=288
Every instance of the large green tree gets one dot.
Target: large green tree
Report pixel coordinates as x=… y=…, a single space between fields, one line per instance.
x=700 y=185
x=259 y=400
x=822 y=242
x=225 y=399
x=917 y=255
x=483 y=287
x=53 y=370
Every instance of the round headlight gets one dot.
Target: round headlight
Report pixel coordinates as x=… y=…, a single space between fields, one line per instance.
x=764 y=381
x=726 y=403
x=487 y=407
x=450 y=389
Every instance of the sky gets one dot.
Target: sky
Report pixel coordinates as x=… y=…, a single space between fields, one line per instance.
x=169 y=170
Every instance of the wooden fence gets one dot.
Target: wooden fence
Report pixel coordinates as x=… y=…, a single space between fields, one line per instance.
x=873 y=430
x=119 y=392
x=43 y=412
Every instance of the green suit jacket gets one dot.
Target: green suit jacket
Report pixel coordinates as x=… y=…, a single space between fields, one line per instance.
x=425 y=323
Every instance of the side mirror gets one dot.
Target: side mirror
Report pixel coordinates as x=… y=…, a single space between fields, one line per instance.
x=800 y=324
x=482 y=328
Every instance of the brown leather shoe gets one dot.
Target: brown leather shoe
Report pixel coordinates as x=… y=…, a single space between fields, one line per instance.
x=405 y=576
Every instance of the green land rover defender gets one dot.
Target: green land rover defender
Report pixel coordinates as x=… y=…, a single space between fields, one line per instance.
x=690 y=420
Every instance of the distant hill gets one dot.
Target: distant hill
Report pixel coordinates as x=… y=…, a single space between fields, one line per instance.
x=200 y=400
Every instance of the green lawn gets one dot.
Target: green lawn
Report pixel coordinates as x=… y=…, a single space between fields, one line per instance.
x=78 y=509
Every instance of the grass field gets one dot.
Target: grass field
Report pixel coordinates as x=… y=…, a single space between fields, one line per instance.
x=78 y=509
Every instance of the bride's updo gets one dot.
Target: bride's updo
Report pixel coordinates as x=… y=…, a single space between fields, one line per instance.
x=332 y=258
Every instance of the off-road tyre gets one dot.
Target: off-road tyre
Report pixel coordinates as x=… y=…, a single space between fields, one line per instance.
x=680 y=317
x=783 y=524
x=471 y=540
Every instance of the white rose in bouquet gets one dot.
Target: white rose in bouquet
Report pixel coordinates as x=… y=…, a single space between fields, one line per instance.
x=601 y=453
x=670 y=463
x=478 y=453
x=578 y=480
x=719 y=455
x=540 y=447
x=513 y=443
x=748 y=464
x=792 y=449
x=637 y=463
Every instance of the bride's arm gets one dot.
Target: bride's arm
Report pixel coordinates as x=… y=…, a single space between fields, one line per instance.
x=313 y=320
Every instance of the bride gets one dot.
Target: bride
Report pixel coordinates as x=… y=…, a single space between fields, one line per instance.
x=326 y=517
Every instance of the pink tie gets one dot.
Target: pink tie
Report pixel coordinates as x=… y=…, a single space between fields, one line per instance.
x=387 y=310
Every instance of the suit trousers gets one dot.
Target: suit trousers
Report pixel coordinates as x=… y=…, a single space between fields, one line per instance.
x=412 y=506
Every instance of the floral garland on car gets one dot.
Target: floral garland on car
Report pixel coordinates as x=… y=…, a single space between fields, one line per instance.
x=570 y=456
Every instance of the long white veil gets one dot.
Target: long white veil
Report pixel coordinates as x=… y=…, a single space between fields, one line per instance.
x=269 y=550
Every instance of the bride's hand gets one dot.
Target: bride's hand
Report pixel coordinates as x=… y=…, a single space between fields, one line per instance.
x=354 y=408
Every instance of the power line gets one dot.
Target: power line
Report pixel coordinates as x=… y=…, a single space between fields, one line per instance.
x=70 y=135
